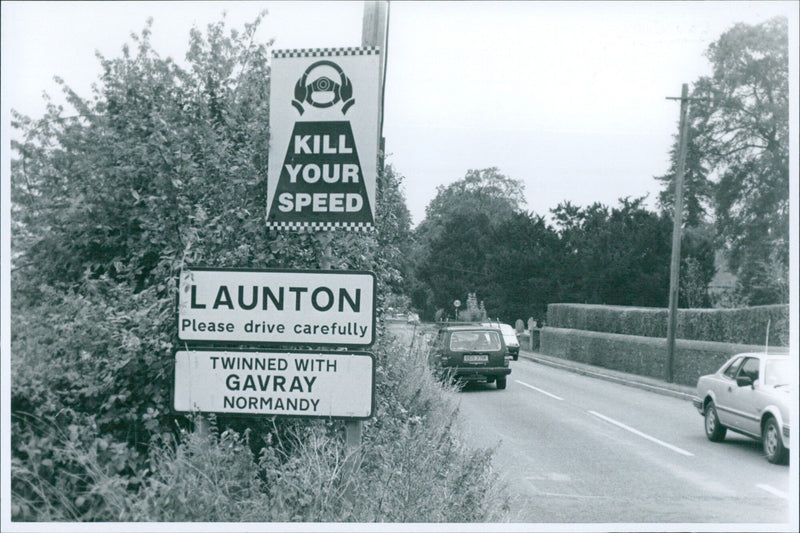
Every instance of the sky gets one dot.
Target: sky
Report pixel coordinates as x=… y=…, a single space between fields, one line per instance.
x=568 y=97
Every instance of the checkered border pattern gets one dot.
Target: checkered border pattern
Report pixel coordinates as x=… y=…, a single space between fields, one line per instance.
x=308 y=226
x=325 y=52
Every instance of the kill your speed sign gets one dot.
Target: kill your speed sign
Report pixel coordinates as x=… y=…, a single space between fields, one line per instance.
x=323 y=152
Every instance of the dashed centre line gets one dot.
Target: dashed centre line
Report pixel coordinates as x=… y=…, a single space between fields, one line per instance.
x=773 y=491
x=539 y=390
x=643 y=435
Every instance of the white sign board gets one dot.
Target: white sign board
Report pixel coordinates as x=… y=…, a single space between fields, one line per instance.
x=314 y=384
x=301 y=307
x=323 y=150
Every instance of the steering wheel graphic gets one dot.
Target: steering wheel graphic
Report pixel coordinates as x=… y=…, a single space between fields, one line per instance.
x=304 y=91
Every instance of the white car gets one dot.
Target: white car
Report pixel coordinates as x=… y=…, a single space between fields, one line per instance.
x=749 y=394
x=509 y=337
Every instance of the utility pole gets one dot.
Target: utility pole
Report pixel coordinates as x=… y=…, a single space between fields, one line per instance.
x=373 y=34
x=677 y=217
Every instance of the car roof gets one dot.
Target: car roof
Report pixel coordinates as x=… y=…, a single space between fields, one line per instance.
x=467 y=327
x=780 y=356
x=762 y=355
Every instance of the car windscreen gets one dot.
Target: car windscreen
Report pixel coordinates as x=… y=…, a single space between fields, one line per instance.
x=468 y=341
x=777 y=372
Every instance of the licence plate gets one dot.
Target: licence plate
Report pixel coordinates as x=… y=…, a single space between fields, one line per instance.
x=476 y=358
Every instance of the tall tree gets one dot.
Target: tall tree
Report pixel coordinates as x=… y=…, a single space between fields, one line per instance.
x=477 y=239
x=485 y=191
x=698 y=190
x=743 y=135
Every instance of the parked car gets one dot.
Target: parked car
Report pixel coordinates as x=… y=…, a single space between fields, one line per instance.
x=509 y=337
x=470 y=353
x=750 y=394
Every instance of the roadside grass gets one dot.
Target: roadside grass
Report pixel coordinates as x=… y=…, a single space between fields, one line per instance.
x=413 y=466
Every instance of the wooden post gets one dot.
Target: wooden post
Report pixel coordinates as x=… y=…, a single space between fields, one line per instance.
x=373 y=33
x=677 y=218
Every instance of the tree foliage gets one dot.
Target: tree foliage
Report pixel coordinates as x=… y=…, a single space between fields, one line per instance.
x=516 y=263
x=740 y=134
x=617 y=256
x=698 y=189
x=163 y=166
x=476 y=238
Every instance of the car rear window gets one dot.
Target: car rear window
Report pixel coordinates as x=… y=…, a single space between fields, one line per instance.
x=777 y=372
x=466 y=341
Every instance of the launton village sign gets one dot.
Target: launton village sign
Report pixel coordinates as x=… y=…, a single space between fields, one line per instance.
x=286 y=307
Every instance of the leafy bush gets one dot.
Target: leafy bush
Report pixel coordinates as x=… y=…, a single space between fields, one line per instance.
x=413 y=466
x=165 y=167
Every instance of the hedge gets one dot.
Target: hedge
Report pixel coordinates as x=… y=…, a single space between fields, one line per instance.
x=644 y=356
x=739 y=326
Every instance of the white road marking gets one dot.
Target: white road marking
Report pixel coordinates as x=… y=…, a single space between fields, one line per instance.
x=552 y=476
x=773 y=491
x=538 y=390
x=643 y=435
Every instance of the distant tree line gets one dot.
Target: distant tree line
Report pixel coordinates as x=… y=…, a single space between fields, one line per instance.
x=481 y=240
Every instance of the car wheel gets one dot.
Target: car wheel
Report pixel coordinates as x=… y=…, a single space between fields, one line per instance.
x=501 y=383
x=773 y=445
x=516 y=356
x=714 y=430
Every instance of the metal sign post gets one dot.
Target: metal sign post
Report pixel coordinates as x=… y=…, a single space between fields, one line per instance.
x=373 y=34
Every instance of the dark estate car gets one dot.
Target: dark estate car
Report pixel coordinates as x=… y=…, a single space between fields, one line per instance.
x=470 y=353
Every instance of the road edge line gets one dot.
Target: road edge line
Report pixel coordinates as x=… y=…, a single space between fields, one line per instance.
x=630 y=383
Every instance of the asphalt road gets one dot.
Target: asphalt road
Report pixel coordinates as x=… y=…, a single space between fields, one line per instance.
x=577 y=449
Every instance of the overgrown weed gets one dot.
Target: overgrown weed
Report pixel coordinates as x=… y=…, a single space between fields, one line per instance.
x=414 y=466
